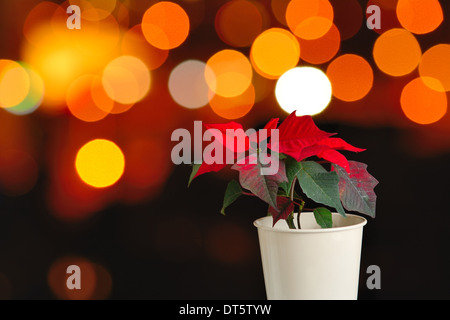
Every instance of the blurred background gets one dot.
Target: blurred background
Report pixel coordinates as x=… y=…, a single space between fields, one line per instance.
x=86 y=117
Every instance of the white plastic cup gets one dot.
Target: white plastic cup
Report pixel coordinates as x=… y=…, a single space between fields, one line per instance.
x=311 y=263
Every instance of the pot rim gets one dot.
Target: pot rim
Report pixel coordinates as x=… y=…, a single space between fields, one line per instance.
x=358 y=224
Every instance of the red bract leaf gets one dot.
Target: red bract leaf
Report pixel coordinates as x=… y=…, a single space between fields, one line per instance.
x=339 y=144
x=205 y=168
x=334 y=157
x=285 y=207
x=300 y=138
x=326 y=149
x=297 y=133
x=254 y=138
x=228 y=134
x=272 y=124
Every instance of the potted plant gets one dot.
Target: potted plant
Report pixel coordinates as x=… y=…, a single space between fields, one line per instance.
x=315 y=253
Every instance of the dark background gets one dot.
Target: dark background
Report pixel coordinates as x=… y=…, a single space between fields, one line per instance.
x=178 y=246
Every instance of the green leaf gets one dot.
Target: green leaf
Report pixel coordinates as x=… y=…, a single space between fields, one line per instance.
x=323 y=217
x=357 y=188
x=232 y=192
x=292 y=169
x=195 y=168
x=320 y=185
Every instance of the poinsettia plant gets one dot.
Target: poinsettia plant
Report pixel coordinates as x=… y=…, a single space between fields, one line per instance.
x=310 y=166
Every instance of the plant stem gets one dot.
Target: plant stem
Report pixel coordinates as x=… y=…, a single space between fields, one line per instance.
x=290 y=221
x=292 y=188
x=300 y=205
x=300 y=208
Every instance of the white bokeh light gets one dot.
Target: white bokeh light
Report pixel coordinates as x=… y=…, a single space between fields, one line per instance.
x=187 y=84
x=306 y=90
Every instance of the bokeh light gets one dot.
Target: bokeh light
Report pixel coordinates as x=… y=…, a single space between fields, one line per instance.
x=126 y=79
x=14 y=83
x=60 y=56
x=57 y=68
x=38 y=18
x=165 y=25
x=34 y=97
x=100 y=163
x=306 y=90
x=397 y=52
x=98 y=99
x=69 y=198
x=233 y=107
x=238 y=22
x=274 y=52
x=104 y=32
x=420 y=16
x=135 y=44
x=309 y=19
x=229 y=73
x=421 y=104
x=323 y=49
x=187 y=84
x=80 y=99
x=435 y=64
x=351 y=77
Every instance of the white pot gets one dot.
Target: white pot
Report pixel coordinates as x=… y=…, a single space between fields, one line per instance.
x=311 y=263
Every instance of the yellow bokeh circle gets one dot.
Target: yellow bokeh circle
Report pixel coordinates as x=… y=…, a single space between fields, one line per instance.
x=100 y=163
